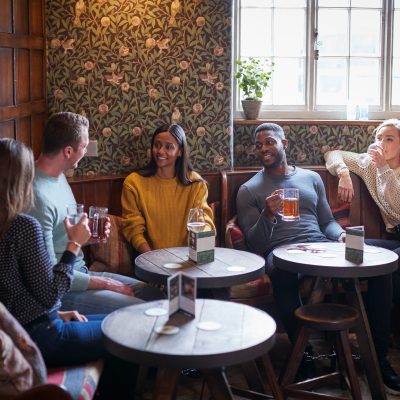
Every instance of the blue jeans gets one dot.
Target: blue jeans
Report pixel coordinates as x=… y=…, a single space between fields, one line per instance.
x=106 y=301
x=68 y=343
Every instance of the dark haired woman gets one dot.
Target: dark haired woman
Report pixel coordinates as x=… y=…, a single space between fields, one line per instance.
x=157 y=198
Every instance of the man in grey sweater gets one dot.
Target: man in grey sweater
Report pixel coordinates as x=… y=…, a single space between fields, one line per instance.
x=258 y=204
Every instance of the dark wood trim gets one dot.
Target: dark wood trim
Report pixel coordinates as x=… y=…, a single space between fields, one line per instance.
x=21 y=41
x=22 y=110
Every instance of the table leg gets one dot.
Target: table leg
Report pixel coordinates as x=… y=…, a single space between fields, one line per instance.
x=366 y=344
x=319 y=289
x=217 y=384
x=253 y=378
x=166 y=384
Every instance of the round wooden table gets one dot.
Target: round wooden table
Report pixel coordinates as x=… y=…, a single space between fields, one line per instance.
x=243 y=333
x=230 y=267
x=327 y=261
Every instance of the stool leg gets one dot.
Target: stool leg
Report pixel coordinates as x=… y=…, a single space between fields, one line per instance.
x=296 y=355
x=344 y=351
x=271 y=378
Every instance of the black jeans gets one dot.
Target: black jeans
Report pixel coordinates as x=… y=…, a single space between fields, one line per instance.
x=378 y=302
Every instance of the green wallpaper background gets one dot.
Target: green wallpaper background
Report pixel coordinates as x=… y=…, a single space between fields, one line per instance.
x=132 y=65
x=307 y=142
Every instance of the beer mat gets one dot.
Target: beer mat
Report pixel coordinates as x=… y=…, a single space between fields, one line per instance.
x=236 y=268
x=166 y=329
x=374 y=250
x=156 y=311
x=172 y=265
x=209 y=325
x=327 y=255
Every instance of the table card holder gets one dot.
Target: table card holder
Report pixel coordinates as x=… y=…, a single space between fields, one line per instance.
x=202 y=246
x=182 y=291
x=355 y=244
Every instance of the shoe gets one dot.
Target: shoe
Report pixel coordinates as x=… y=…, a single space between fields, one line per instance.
x=390 y=379
x=191 y=373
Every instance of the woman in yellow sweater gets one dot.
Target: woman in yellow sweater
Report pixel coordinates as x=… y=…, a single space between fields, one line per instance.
x=157 y=198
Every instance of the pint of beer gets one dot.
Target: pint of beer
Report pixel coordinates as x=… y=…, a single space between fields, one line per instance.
x=290 y=209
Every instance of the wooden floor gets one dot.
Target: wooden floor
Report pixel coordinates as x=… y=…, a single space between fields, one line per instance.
x=191 y=388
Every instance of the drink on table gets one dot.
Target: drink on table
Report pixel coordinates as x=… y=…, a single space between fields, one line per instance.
x=196 y=222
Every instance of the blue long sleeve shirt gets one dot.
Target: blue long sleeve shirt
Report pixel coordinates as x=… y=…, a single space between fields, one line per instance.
x=316 y=222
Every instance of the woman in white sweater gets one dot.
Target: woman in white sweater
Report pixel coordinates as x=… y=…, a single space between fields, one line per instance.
x=380 y=171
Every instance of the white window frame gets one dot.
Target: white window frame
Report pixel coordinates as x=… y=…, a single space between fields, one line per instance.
x=325 y=113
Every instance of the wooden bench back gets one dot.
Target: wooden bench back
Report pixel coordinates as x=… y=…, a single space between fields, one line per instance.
x=222 y=188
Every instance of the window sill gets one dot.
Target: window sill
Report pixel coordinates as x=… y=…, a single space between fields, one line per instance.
x=293 y=121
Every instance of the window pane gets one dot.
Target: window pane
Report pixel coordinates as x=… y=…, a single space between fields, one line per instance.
x=367 y=3
x=255 y=29
x=333 y=3
x=289 y=42
x=288 y=81
x=365 y=33
x=256 y=3
x=365 y=80
x=396 y=81
x=396 y=33
x=333 y=32
x=396 y=3
x=290 y=3
x=331 y=81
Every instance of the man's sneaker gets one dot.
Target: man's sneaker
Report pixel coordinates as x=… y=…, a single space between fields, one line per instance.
x=390 y=379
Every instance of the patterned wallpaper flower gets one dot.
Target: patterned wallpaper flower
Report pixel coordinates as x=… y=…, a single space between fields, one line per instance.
x=132 y=65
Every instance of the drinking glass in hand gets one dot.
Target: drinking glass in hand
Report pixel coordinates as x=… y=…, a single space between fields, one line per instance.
x=74 y=213
x=195 y=221
x=290 y=210
x=97 y=223
x=365 y=159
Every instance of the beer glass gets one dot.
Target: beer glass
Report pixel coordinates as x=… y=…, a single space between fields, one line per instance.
x=97 y=223
x=74 y=213
x=365 y=159
x=290 y=210
x=195 y=221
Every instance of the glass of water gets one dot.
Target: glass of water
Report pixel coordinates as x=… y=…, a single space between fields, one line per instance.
x=195 y=221
x=365 y=159
x=74 y=213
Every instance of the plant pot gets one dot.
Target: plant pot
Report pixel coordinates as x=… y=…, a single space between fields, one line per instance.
x=251 y=108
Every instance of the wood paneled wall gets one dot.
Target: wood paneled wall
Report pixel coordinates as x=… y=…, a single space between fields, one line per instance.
x=23 y=106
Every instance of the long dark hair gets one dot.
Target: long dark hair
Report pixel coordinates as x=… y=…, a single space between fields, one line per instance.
x=183 y=166
x=16 y=177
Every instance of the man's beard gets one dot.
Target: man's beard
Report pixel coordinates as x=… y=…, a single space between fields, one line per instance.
x=277 y=162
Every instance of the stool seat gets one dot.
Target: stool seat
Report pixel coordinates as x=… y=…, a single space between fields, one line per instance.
x=327 y=317
x=335 y=318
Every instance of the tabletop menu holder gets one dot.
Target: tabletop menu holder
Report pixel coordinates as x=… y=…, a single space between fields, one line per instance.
x=182 y=291
x=355 y=244
x=202 y=246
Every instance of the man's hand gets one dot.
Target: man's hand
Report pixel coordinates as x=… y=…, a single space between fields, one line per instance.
x=273 y=204
x=107 y=231
x=100 y=282
x=345 y=188
x=68 y=316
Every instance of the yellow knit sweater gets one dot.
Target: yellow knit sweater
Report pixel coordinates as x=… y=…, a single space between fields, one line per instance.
x=155 y=210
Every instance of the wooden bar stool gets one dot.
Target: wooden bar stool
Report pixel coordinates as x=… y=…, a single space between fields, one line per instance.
x=335 y=318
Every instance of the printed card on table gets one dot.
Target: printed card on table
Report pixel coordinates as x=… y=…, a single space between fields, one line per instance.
x=182 y=291
x=355 y=244
x=201 y=246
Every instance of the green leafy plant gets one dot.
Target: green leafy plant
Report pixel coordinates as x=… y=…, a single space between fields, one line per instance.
x=253 y=76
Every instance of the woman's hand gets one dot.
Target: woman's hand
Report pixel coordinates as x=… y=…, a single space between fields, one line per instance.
x=68 y=316
x=79 y=232
x=345 y=188
x=377 y=156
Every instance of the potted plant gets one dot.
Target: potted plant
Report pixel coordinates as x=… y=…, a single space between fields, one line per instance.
x=253 y=76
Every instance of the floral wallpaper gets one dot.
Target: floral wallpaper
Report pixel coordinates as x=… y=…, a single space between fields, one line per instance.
x=307 y=142
x=132 y=65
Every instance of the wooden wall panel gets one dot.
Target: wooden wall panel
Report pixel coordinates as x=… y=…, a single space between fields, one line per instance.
x=7 y=78
x=5 y=16
x=23 y=98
